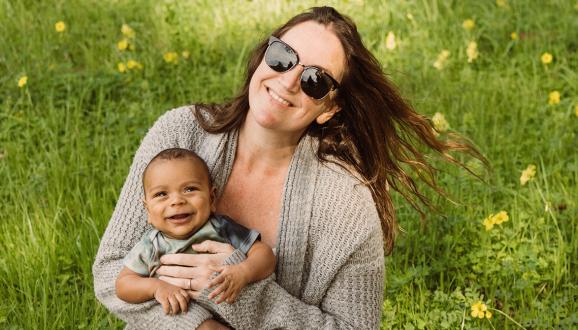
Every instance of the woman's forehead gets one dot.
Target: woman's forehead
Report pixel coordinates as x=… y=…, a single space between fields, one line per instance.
x=317 y=44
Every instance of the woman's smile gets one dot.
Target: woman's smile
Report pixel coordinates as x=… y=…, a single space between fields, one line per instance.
x=276 y=97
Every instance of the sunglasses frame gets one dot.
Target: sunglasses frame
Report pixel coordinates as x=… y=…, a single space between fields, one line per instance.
x=334 y=83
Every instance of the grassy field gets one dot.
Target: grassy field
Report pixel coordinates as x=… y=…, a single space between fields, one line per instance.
x=70 y=121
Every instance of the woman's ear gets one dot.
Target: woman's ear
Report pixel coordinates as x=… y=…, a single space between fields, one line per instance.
x=324 y=117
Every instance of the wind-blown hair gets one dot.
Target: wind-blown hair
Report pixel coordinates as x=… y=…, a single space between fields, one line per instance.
x=376 y=133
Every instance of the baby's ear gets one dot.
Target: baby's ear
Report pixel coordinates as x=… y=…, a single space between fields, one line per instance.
x=213 y=199
x=146 y=206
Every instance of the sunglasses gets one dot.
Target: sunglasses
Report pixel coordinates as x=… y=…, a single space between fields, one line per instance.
x=315 y=82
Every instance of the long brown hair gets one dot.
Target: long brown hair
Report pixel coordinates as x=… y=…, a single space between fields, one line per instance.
x=376 y=133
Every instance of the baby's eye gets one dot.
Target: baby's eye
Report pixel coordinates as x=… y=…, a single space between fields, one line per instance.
x=159 y=194
x=191 y=189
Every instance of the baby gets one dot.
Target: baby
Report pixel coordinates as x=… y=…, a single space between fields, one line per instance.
x=180 y=202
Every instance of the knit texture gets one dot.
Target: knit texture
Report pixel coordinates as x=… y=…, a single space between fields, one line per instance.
x=330 y=260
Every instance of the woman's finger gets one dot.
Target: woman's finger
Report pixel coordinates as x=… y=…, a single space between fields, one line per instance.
x=181 y=259
x=213 y=247
x=192 y=260
x=197 y=284
x=177 y=271
x=185 y=272
x=180 y=282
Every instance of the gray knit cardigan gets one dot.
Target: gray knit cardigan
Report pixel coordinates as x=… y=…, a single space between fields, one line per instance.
x=330 y=260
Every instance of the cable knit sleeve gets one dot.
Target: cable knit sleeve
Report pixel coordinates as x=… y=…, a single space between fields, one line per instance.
x=351 y=300
x=128 y=223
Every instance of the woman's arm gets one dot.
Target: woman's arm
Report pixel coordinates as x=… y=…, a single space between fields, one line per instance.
x=352 y=301
x=128 y=223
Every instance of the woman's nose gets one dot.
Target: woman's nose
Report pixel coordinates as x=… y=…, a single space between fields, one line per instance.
x=291 y=80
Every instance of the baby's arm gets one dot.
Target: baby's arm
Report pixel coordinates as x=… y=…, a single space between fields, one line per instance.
x=134 y=288
x=260 y=263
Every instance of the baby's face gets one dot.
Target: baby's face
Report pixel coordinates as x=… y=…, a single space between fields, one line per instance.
x=178 y=196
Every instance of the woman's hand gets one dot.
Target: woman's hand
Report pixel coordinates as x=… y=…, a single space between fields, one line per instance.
x=192 y=271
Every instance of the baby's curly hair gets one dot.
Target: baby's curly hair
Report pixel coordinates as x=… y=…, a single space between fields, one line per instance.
x=178 y=153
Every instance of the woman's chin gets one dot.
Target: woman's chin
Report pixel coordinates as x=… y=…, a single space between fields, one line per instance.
x=266 y=118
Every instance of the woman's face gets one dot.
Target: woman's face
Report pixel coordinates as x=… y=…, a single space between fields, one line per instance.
x=275 y=98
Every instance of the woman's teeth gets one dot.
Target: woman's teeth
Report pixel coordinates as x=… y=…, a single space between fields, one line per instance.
x=278 y=98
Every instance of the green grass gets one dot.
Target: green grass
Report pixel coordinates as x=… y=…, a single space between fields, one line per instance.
x=67 y=138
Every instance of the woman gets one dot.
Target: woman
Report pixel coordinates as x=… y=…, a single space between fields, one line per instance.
x=305 y=155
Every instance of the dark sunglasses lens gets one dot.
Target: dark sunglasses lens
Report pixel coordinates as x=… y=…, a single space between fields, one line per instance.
x=279 y=57
x=314 y=83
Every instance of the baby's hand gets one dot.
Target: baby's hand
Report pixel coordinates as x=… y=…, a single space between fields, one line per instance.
x=230 y=281
x=172 y=298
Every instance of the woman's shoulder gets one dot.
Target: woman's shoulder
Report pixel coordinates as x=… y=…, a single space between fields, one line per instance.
x=343 y=193
x=344 y=214
x=183 y=116
x=179 y=124
x=336 y=176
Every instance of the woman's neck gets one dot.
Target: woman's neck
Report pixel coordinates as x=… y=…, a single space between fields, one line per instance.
x=260 y=148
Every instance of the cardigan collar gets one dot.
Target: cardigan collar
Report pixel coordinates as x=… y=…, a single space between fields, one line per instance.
x=296 y=202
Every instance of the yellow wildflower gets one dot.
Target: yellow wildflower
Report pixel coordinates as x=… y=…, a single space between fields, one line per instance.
x=514 y=36
x=500 y=217
x=479 y=310
x=22 y=81
x=121 y=67
x=502 y=3
x=185 y=54
x=472 y=51
x=488 y=222
x=390 y=41
x=132 y=64
x=546 y=58
x=60 y=26
x=127 y=31
x=469 y=24
x=576 y=110
x=495 y=219
x=488 y=314
x=554 y=98
x=442 y=58
x=122 y=45
x=409 y=16
x=528 y=174
x=440 y=123
x=171 y=57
